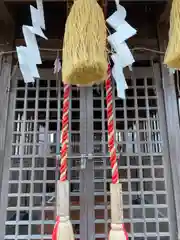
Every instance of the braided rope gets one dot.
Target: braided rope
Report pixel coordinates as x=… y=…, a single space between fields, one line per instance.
x=115 y=232
x=64 y=134
x=64 y=148
x=111 y=132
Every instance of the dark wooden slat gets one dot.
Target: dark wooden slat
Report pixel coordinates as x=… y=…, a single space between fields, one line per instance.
x=173 y=123
x=5 y=16
x=5 y=77
x=164 y=18
x=138 y=1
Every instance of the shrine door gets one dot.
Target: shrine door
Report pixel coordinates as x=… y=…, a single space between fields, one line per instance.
x=30 y=169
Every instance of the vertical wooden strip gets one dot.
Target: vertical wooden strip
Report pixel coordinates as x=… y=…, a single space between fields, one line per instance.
x=7 y=99
x=6 y=44
x=5 y=76
x=173 y=127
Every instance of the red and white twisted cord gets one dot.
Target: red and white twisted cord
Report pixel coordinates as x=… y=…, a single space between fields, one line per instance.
x=64 y=134
x=111 y=132
x=64 y=148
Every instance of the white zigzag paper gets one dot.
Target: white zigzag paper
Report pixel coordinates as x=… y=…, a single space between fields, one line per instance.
x=124 y=31
x=123 y=56
x=117 y=17
x=120 y=81
x=57 y=65
x=117 y=73
x=29 y=56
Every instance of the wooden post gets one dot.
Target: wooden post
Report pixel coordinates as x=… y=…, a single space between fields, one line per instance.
x=6 y=44
x=172 y=123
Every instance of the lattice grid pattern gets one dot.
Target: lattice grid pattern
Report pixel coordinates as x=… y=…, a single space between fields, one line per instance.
x=32 y=173
x=140 y=160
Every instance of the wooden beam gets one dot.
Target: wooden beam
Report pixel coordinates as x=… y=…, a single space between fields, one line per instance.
x=5 y=16
x=164 y=18
x=57 y=43
x=50 y=43
x=6 y=44
x=138 y=1
x=173 y=126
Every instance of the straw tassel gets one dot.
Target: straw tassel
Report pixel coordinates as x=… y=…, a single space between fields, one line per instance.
x=63 y=227
x=172 y=55
x=84 y=44
x=117 y=231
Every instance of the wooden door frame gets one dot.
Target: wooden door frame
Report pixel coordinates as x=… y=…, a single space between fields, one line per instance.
x=172 y=120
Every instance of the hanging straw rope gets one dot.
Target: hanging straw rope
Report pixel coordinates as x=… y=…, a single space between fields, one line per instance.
x=63 y=227
x=117 y=231
x=172 y=55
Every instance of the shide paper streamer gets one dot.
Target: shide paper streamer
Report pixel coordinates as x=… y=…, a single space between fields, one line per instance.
x=122 y=56
x=57 y=65
x=29 y=56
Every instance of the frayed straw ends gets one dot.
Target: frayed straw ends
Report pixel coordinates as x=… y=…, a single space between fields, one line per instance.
x=84 y=47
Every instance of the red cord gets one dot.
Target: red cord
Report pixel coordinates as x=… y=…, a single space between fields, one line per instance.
x=64 y=147
x=64 y=136
x=54 y=234
x=125 y=232
x=111 y=131
x=111 y=134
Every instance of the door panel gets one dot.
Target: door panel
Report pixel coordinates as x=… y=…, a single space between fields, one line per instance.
x=29 y=179
x=148 y=208
x=30 y=172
